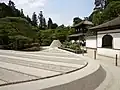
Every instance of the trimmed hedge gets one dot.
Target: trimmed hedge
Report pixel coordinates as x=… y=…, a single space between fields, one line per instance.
x=74 y=51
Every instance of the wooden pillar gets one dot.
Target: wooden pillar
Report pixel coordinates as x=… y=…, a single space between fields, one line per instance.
x=116 y=61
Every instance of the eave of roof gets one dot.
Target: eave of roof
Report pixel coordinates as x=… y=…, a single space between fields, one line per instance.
x=76 y=35
x=113 y=24
x=84 y=22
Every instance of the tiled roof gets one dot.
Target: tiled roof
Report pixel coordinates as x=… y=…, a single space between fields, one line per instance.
x=108 y=25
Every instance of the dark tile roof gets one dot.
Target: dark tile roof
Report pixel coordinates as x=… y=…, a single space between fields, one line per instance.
x=84 y=22
x=115 y=23
x=77 y=35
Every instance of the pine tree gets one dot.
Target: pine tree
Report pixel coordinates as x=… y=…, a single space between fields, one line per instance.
x=28 y=19
x=50 y=23
x=44 y=24
x=34 y=19
x=42 y=21
x=100 y=4
x=76 y=20
x=54 y=26
x=22 y=14
x=11 y=4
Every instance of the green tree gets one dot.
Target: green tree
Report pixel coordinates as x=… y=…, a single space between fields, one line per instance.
x=9 y=10
x=50 y=23
x=61 y=26
x=17 y=13
x=22 y=14
x=97 y=18
x=110 y=12
x=109 y=1
x=4 y=37
x=34 y=19
x=76 y=20
x=28 y=19
x=42 y=21
x=15 y=32
x=11 y=4
x=100 y=4
x=54 y=26
x=90 y=18
x=5 y=10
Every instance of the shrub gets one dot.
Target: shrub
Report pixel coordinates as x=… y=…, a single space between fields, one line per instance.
x=32 y=49
x=18 y=42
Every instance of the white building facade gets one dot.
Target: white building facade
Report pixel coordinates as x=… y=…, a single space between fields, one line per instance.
x=107 y=40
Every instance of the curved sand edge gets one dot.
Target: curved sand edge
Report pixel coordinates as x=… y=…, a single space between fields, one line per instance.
x=87 y=78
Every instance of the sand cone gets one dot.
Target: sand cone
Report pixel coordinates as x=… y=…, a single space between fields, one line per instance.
x=55 y=43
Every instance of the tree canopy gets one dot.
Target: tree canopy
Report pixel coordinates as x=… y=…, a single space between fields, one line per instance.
x=76 y=20
x=50 y=23
x=111 y=11
x=42 y=21
x=15 y=30
x=34 y=19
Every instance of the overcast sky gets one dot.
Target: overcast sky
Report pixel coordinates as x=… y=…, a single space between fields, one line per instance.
x=61 y=11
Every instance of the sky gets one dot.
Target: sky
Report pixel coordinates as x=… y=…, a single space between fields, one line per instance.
x=61 y=11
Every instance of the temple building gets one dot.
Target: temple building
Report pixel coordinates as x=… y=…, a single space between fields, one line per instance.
x=107 y=39
x=81 y=29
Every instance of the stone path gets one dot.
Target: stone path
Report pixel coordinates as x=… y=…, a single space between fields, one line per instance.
x=112 y=81
x=16 y=66
x=114 y=84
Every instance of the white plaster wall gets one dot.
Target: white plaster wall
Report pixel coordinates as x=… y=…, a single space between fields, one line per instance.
x=106 y=51
x=99 y=40
x=91 y=43
x=116 y=40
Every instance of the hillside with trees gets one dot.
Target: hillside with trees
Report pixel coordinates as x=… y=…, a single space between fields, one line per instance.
x=16 y=29
x=47 y=36
x=15 y=32
x=20 y=32
x=110 y=11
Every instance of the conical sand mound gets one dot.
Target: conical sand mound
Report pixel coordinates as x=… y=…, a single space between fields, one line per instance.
x=55 y=43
